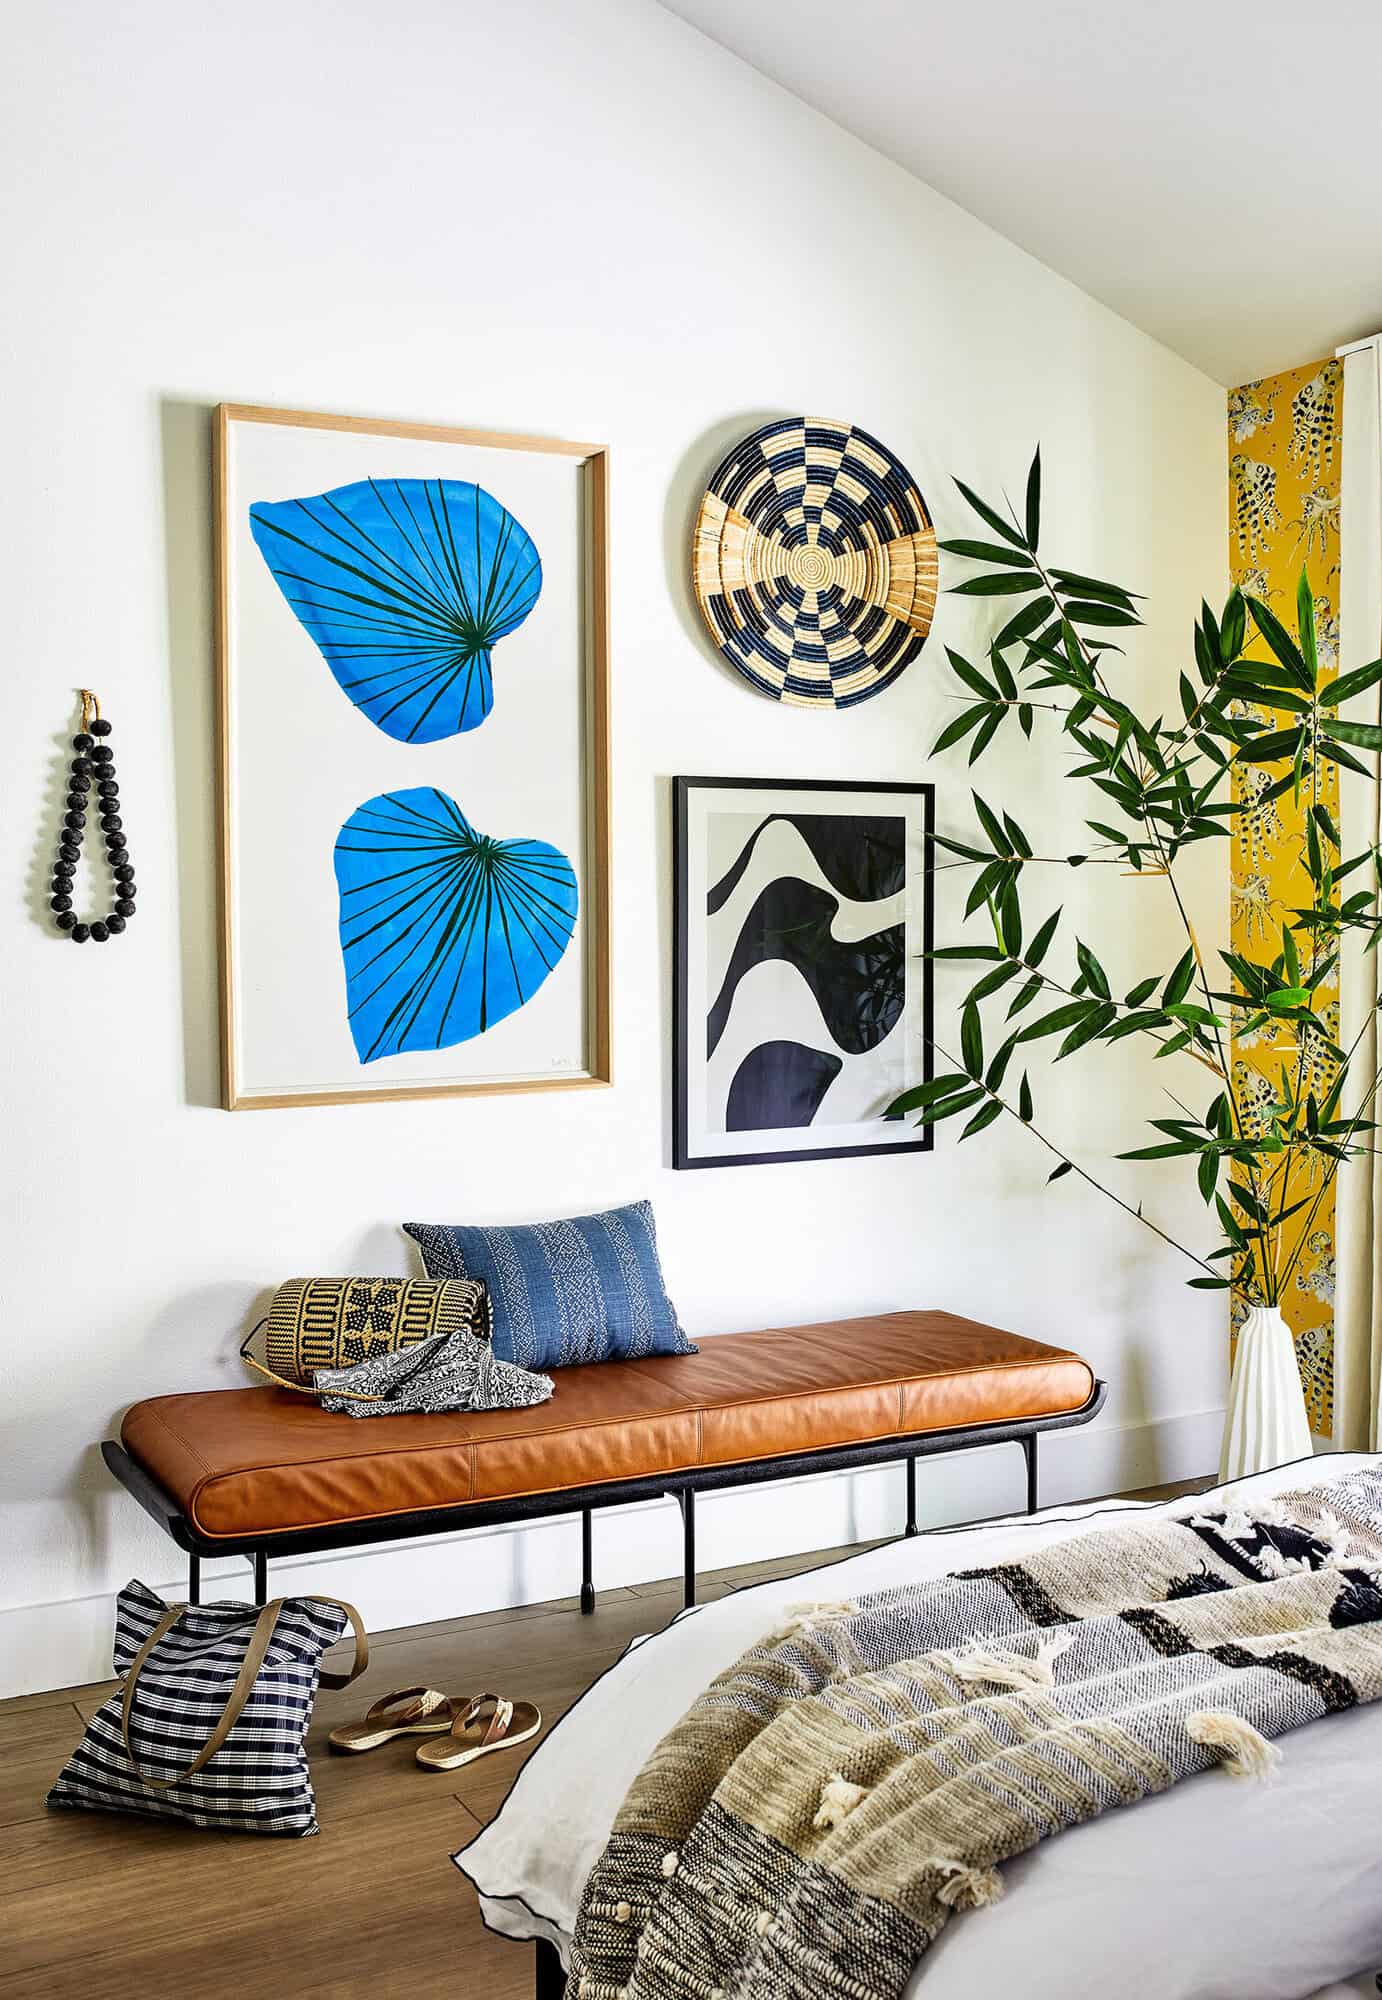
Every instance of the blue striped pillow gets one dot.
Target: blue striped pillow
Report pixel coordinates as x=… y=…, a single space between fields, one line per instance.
x=586 y=1289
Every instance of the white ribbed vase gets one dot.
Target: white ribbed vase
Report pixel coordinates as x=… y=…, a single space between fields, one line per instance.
x=1266 y=1422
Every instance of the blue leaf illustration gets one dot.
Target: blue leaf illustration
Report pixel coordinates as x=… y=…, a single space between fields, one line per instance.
x=406 y=585
x=444 y=930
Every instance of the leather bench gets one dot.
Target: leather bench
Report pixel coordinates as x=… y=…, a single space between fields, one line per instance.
x=259 y=1471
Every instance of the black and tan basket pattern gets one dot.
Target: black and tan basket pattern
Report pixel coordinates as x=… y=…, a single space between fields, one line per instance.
x=335 y=1322
x=815 y=563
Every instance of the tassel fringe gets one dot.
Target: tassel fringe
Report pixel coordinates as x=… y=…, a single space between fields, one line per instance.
x=803 y=1619
x=967 y=1888
x=1002 y=1668
x=1246 y=1752
x=838 y=1799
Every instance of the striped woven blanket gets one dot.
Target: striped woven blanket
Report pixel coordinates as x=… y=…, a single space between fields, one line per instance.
x=819 y=1814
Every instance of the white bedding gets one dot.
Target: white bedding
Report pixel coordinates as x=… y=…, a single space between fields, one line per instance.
x=1217 y=1890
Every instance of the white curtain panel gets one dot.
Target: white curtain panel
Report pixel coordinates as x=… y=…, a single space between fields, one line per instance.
x=1358 y=1301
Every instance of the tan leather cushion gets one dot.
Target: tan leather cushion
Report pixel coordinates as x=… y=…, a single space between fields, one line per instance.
x=247 y=1462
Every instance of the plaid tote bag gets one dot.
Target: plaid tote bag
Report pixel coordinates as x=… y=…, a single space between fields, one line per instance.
x=210 y=1722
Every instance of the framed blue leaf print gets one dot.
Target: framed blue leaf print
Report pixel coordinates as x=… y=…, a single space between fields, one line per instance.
x=413 y=680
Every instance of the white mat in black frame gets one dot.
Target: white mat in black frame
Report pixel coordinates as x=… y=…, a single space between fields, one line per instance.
x=803 y=996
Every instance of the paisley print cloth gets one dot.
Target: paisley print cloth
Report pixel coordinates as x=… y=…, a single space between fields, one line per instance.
x=451 y=1371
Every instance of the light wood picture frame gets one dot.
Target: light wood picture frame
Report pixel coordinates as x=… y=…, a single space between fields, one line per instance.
x=413 y=712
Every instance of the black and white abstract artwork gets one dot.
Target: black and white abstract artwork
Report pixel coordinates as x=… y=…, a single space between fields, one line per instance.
x=803 y=996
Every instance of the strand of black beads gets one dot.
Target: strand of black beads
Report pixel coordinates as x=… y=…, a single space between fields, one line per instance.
x=93 y=764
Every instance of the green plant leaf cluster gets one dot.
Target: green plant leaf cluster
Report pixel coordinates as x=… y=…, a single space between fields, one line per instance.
x=1255 y=718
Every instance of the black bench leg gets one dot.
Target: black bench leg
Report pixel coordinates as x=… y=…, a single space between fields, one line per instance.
x=194 y=1579
x=587 y=1564
x=911 y=1527
x=260 y=1562
x=550 y=1978
x=687 y=1502
x=1029 y=1452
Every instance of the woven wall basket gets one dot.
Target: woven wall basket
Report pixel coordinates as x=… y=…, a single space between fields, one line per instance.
x=814 y=563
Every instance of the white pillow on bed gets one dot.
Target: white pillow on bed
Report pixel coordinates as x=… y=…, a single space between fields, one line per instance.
x=1216 y=1890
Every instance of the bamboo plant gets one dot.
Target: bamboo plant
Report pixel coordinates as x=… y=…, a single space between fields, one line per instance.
x=1258 y=719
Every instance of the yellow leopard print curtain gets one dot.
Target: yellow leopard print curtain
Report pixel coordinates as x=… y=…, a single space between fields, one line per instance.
x=1284 y=451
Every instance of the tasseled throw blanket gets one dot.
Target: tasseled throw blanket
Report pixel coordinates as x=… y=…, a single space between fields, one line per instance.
x=810 y=1826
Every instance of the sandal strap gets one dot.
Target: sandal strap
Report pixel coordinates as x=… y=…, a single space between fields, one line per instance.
x=499 y=1721
x=410 y=1704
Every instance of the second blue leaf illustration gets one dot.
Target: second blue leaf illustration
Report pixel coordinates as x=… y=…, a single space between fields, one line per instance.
x=444 y=930
x=406 y=585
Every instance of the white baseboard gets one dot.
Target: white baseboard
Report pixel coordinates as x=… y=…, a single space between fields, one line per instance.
x=67 y=1643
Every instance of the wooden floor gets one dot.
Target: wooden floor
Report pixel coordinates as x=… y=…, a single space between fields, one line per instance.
x=117 y=1909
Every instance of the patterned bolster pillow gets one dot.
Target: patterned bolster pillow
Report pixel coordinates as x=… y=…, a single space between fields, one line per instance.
x=335 y=1322
x=586 y=1289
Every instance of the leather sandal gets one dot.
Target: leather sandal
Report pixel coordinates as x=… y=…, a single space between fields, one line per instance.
x=484 y=1724
x=415 y=1711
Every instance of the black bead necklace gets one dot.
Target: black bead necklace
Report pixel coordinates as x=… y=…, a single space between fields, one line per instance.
x=94 y=764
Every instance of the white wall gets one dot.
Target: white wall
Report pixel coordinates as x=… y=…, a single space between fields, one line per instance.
x=584 y=221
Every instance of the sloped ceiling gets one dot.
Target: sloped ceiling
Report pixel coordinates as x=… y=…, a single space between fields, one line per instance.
x=1211 y=171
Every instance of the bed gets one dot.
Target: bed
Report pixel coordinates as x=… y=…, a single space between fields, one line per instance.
x=1215 y=1890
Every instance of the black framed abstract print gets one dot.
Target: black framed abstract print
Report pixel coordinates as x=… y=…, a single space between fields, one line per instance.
x=803 y=989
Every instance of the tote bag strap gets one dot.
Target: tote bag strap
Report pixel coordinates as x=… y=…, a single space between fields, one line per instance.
x=239 y=1694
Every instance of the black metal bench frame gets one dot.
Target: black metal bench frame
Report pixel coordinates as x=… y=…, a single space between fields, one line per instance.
x=586 y=1500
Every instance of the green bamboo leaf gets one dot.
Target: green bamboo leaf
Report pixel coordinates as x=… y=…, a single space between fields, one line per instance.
x=963 y=951
x=1059 y=1173
x=1059 y=1019
x=1034 y=500
x=1280 y=641
x=1209 y=1284
x=1290 y=956
x=1024 y=1100
x=1073 y=584
x=972 y=1040
x=1273 y=744
x=1025 y=996
x=1349 y=685
x=1094 y=973
x=1088 y=612
x=1366 y=735
x=987 y=552
x=991 y=982
x=970 y=675
x=1168 y=1149
x=1020 y=843
x=1333 y=754
x=992 y=826
x=1041 y=942
x=922 y=1094
x=1288 y=996
x=1206 y=1174
x=1233 y=626
x=960 y=727
x=987 y=513
x=1143 y=990
x=953 y=1106
x=980 y=1119
x=1022 y=622
x=984 y=735
x=1010 y=584
x=1087 y=1030
x=1180 y=981
x=1305 y=620
x=998 y=1068
x=1135 y=1024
